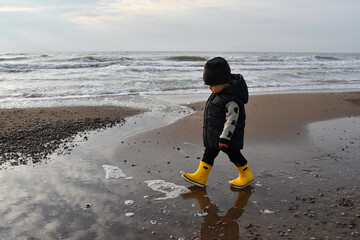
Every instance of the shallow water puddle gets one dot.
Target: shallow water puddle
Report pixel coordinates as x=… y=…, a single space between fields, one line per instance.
x=170 y=189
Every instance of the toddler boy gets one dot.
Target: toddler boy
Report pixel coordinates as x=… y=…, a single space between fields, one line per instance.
x=224 y=123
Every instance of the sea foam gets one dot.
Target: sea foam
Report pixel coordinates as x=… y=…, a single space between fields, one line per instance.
x=113 y=172
x=171 y=190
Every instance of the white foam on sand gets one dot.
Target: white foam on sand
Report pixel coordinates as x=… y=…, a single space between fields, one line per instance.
x=200 y=214
x=129 y=202
x=129 y=214
x=170 y=189
x=113 y=172
x=266 y=211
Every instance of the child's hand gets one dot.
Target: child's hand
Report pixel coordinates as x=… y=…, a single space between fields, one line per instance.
x=223 y=145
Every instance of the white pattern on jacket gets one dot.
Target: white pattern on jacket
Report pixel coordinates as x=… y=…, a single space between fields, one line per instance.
x=232 y=115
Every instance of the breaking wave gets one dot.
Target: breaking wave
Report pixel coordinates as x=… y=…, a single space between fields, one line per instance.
x=186 y=58
x=326 y=58
x=13 y=59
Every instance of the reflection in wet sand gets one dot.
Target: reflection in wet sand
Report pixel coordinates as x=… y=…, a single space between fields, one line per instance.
x=215 y=226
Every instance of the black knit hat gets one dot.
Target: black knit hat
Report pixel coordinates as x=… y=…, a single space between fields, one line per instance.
x=216 y=72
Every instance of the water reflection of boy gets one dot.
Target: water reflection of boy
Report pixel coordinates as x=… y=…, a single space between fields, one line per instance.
x=213 y=225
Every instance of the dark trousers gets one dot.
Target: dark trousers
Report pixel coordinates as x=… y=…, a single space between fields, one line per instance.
x=235 y=156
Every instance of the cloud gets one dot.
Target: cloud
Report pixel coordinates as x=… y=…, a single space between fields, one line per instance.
x=115 y=10
x=261 y=25
x=19 y=9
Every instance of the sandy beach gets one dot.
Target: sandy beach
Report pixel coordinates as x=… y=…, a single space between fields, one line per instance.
x=303 y=150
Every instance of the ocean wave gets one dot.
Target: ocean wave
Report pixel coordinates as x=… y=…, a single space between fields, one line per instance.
x=91 y=58
x=32 y=95
x=318 y=57
x=186 y=58
x=331 y=81
x=79 y=66
x=15 y=70
x=170 y=89
x=151 y=70
x=16 y=54
x=286 y=59
x=24 y=68
x=13 y=59
x=270 y=59
x=148 y=70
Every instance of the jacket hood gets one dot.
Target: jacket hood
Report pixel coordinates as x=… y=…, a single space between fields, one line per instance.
x=237 y=88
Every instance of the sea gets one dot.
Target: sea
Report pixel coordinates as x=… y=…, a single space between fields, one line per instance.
x=161 y=81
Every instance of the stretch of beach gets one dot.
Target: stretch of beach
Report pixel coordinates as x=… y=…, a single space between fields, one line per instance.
x=303 y=150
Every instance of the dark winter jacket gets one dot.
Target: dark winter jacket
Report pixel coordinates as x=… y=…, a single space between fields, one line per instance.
x=215 y=114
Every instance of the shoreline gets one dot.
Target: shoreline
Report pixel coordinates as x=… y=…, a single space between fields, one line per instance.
x=57 y=125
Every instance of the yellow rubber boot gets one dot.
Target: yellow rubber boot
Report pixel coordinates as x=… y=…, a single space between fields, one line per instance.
x=245 y=177
x=199 y=177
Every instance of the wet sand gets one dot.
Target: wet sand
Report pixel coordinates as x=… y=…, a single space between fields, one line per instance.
x=302 y=149
x=30 y=135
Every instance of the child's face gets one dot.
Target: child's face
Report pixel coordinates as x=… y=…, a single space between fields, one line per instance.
x=218 y=88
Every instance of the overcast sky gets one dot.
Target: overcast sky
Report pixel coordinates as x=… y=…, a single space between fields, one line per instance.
x=195 y=25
